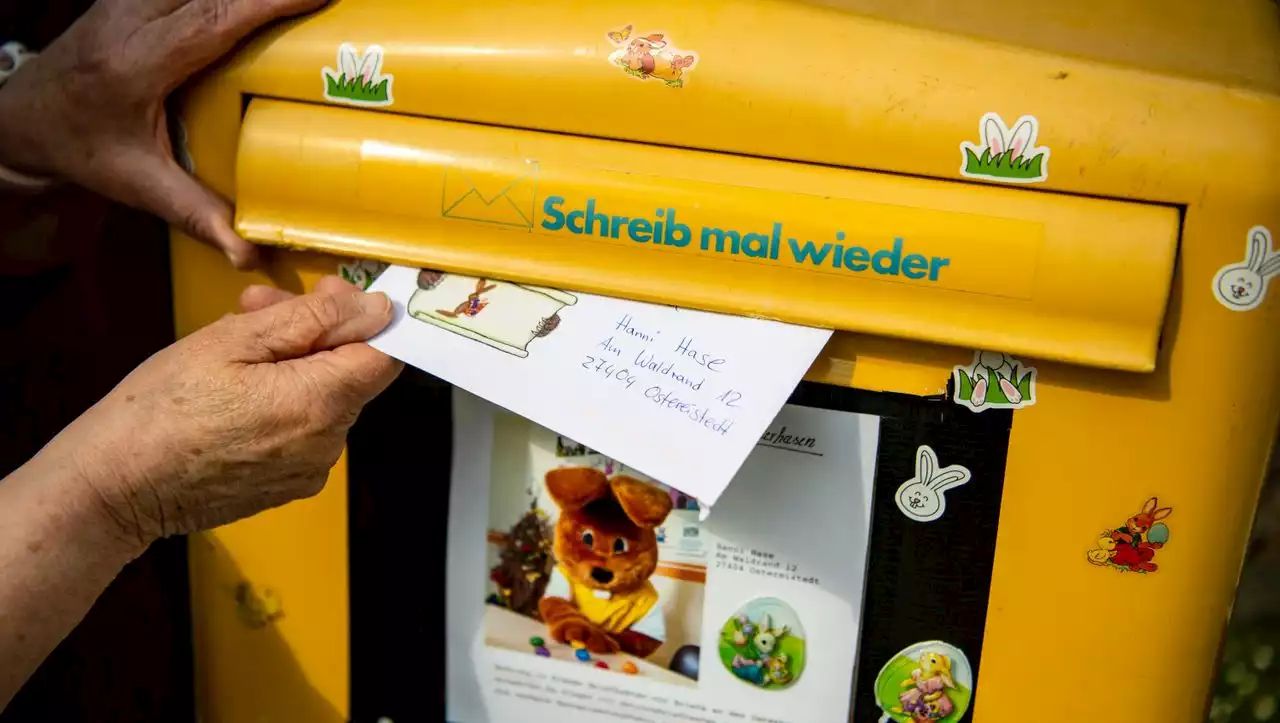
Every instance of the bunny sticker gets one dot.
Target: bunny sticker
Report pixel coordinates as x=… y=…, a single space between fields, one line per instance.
x=1241 y=287
x=763 y=644
x=922 y=497
x=650 y=56
x=995 y=381
x=1132 y=547
x=1005 y=155
x=359 y=79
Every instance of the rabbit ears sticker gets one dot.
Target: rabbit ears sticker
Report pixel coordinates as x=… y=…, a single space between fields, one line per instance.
x=358 y=79
x=994 y=381
x=1243 y=286
x=923 y=497
x=1006 y=153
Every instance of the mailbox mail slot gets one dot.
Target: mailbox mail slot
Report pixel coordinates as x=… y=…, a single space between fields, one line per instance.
x=1054 y=276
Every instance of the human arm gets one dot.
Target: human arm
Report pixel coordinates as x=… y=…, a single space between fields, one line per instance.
x=90 y=109
x=246 y=414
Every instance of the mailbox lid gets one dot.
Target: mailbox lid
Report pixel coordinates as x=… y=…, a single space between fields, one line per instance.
x=1055 y=276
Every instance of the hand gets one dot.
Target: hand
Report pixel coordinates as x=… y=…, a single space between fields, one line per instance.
x=90 y=108
x=244 y=415
x=569 y=626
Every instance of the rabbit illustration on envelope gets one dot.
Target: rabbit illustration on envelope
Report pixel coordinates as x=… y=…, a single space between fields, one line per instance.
x=500 y=314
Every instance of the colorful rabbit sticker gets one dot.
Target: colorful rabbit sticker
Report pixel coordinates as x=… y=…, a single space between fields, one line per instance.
x=359 y=79
x=1132 y=547
x=1241 y=287
x=995 y=381
x=650 y=56
x=763 y=644
x=922 y=498
x=1005 y=155
x=927 y=682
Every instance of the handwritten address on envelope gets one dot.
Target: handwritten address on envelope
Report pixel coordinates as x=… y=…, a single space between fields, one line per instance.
x=680 y=395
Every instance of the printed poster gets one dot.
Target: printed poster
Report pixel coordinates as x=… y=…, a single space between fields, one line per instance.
x=580 y=590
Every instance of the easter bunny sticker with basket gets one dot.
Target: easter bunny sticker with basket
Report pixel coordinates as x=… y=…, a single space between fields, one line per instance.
x=1243 y=286
x=922 y=498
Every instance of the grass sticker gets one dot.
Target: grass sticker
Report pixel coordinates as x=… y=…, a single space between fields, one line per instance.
x=1006 y=155
x=358 y=79
x=995 y=381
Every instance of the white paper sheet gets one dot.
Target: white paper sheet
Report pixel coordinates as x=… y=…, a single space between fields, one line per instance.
x=680 y=395
x=792 y=528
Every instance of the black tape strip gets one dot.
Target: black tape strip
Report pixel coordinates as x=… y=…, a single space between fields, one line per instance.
x=925 y=580
x=399 y=455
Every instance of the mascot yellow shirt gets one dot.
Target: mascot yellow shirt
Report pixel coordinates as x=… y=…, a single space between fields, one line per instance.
x=637 y=610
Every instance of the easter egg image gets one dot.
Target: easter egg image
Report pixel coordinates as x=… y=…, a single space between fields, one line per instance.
x=927 y=681
x=1159 y=533
x=763 y=644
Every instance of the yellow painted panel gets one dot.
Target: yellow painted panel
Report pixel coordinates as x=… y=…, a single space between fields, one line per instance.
x=951 y=263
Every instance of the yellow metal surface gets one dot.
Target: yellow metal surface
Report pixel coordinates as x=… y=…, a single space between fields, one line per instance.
x=1125 y=120
x=807 y=244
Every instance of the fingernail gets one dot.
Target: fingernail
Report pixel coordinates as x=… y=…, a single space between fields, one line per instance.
x=377 y=303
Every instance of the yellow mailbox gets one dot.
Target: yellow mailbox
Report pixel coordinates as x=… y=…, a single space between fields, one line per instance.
x=1044 y=233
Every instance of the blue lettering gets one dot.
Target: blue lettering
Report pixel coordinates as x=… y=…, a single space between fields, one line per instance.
x=709 y=232
x=551 y=207
x=856 y=258
x=915 y=266
x=639 y=230
x=664 y=229
x=936 y=266
x=809 y=252
x=893 y=259
x=678 y=234
x=618 y=223
x=755 y=245
x=592 y=217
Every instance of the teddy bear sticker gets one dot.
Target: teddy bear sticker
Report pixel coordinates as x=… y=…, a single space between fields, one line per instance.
x=1243 y=286
x=599 y=595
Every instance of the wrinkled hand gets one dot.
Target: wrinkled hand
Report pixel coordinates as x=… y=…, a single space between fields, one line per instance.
x=90 y=108
x=244 y=415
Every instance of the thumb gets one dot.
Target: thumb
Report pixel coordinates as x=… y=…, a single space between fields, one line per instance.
x=363 y=372
x=175 y=196
x=307 y=324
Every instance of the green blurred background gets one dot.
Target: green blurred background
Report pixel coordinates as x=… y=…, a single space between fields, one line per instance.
x=1248 y=681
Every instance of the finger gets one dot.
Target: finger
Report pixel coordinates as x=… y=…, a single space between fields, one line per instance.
x=361 y=371
x=335 y=285
x=172 y=194
x=258 y=297
x=201 y=31
x=307 y=324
